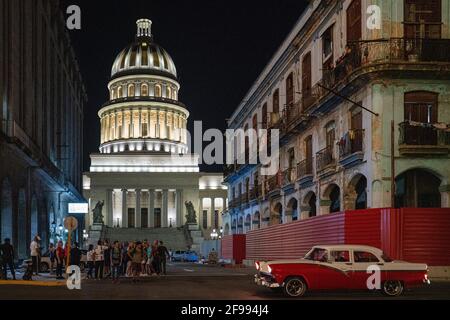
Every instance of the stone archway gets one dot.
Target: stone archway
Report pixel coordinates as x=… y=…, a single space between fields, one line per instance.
x=276 y=215
x=418 y=188
x=6 y=210
x=257 y=221
x=292 y=210
x=331 y=199
x=22 y=238
x=355 y=197
x=309 y=206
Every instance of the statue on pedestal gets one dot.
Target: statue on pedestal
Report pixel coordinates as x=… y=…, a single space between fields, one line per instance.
x=98 y=216
x=191 y=217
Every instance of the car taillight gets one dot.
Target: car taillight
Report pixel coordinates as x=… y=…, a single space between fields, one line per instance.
x=257 y=265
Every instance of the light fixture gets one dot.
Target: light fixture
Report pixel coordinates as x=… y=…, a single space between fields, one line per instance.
x=60 y=227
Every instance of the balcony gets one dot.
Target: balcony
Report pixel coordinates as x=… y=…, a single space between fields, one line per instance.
x=423 y=139
x=245 y=198
x=289 y=176
x=351 y=148
x=325 y=161
x=407 y=56
x=274 y=183
x=305 y=171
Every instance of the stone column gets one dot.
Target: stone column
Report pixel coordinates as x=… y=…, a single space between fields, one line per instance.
x=109 y=205
x=138 y=209
x=179 y=207
x=165 y=209
x=224 y=207
x=151 y=208
x=200 y=214
x=124 y=209
x=211 y=217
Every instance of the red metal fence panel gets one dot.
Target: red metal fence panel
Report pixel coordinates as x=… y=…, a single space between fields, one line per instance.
x=234 y=248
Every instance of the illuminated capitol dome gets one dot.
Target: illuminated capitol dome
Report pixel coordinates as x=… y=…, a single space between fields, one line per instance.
x=144 y=176
x=143 y=114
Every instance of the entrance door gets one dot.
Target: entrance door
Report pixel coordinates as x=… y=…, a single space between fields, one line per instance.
x=144 y=217
x=131 y=218
x=158 y=218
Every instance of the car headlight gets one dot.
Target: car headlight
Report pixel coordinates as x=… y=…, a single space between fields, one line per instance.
x=257 y=265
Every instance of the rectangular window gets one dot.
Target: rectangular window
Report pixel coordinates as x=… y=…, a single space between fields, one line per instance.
x=423 y=19
x=327 y=49
x=144 y=217
x=205 y=219
x=290 y=90
x=144 y=130
x=354 y=21
x=276 y=102
x=216 y=219
x=131 y=218
x=306 y=81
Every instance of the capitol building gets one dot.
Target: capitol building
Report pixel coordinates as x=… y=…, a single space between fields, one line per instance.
x=144 y=173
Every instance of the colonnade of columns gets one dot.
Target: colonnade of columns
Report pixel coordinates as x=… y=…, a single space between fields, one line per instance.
x=161 y=208
x=211 y=209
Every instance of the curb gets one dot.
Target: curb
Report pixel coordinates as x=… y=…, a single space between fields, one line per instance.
x=32 y=283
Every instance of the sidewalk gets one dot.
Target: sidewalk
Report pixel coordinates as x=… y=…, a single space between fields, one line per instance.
x=43 y=280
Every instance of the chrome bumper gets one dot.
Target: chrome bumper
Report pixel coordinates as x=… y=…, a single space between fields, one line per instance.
x=261 y=281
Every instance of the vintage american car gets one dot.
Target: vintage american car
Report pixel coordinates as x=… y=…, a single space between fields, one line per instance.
x=340 y=267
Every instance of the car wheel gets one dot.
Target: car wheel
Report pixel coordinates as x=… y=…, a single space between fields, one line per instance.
x=294 y=287
x=393 y=288
x=44 y=267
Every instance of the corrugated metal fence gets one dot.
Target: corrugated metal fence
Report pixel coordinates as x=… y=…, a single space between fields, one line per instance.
x=416 y=235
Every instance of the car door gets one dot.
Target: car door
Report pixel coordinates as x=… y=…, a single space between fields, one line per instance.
x=336 y=272
x=362 y=261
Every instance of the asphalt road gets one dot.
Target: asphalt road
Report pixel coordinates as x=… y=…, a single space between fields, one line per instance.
x=197 y=282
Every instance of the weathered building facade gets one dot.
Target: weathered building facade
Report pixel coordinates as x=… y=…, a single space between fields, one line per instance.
x=41 y=122
x=363 y=113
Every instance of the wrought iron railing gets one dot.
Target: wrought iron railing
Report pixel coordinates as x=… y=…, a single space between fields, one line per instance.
x=422 y=134
x=305 y=168
x=325 y=158
x=352 y=142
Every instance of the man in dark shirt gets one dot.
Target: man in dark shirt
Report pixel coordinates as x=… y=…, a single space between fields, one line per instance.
x=75 y=255
x=163 y=254
x=7 y=252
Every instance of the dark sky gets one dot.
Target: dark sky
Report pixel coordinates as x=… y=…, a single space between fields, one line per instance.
x=219 y=49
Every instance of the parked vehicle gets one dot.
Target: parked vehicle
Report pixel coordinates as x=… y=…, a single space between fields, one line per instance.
x=340 y=267
x=185 y=256
x=45 y=263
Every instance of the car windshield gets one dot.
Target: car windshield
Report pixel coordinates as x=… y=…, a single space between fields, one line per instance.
x=317 y=254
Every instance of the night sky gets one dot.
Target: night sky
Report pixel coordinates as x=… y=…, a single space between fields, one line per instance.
x=219 y=49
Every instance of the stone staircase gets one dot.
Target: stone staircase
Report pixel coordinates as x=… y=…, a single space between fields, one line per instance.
x=173 y=238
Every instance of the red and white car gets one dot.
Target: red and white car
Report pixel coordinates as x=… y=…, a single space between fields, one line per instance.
x=341 y=267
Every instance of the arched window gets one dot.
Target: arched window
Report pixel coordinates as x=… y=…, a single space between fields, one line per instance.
x=290 y=90
x=158 y=91
x=276 y=101
x=169 y=93
x=119 y=92
x=113 y=94
x=131 y=90
x=144 y=90
x=175 y=95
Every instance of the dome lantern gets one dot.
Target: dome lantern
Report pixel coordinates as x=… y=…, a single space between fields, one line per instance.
x=144 y=28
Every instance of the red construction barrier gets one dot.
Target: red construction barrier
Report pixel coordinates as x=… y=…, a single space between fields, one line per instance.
x=233 y=248
x=415 y=235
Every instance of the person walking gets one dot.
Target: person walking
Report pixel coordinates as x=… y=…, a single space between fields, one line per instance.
x=7 y=258
x=59 y=260
x=164 y=254
x=75 y=255
x=116 y=261
x=90 y=259
x=52 y=256
x=35 y=250
x=107 y=257
x=99 y=260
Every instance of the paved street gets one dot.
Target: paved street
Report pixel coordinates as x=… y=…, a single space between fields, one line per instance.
x=197 y=282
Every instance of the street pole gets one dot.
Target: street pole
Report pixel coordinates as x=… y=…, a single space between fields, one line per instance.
x=392 y=164
x=69 y=240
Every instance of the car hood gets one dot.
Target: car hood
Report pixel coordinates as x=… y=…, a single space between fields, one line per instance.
x=264 y=264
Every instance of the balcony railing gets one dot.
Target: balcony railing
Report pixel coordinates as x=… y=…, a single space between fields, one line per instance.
x=419 y=134
x=325 y=158
x=305 y=168
x=351 y=143
x=274 y=182
x=289 y=176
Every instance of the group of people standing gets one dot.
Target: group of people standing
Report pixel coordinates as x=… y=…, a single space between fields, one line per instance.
x=134 y=260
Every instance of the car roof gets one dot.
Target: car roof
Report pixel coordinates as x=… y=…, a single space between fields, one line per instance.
x=350 y=247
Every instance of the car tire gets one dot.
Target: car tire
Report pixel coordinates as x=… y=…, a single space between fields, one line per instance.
x=392 y=288
x=44 y=267
x=294 y=287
